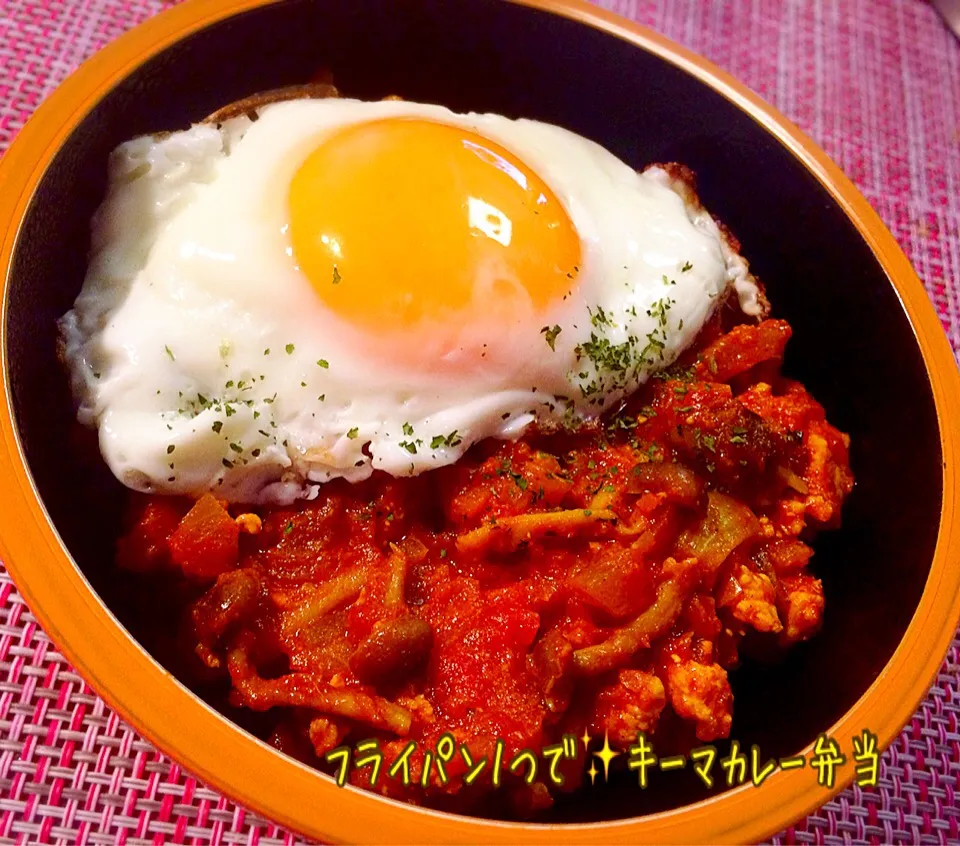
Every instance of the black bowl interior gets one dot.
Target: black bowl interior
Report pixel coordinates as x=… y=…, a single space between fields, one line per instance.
x=853 y=345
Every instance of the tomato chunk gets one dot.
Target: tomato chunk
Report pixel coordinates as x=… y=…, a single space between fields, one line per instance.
x=743 y=347
x=207 y=541
x=144 y=548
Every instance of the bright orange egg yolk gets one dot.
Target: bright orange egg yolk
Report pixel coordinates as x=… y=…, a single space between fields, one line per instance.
x=399 y=223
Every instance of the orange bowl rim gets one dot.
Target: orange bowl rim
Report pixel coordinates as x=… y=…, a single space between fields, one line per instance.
x=301 y=798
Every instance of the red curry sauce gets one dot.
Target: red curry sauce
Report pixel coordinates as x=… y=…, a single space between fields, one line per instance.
x=598 y=580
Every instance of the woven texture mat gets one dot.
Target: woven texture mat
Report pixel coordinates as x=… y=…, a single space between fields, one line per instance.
x=877 y=84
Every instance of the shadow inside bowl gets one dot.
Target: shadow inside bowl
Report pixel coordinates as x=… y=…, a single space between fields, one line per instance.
x=853 y=346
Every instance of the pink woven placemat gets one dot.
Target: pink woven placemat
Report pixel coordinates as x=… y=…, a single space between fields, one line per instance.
x=877 y=84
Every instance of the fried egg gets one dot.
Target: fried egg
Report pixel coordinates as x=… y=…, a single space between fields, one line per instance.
x=337 y=287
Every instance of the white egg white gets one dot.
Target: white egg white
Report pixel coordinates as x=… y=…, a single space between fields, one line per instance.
x=207 y=362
